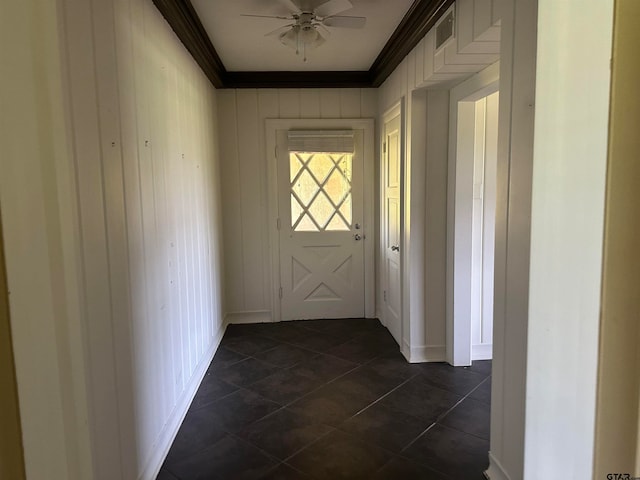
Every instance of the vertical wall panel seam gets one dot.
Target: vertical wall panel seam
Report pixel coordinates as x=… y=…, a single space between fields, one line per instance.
x=82 y=273
x=240 y=206
x=118 y=406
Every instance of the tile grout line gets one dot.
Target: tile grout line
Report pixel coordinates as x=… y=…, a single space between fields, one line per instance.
x=384 y=396
x=442 y=415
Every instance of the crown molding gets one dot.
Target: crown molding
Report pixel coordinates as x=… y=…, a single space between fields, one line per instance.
x=186 y=24
x=183 y=19
x=297 y=79
x=420 y=18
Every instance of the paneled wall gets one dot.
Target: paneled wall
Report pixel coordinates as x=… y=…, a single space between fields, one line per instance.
x=142 y=122
x=243 y=160
x=425 y=69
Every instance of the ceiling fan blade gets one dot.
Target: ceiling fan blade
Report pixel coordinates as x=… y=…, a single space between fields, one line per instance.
x=332 y=7
x=279 y=31
x=291 y=5
x=344 y=21
x=266 y=16
x=322 y=30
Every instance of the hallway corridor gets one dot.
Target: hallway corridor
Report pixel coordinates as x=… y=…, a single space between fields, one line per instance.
x=331 y=399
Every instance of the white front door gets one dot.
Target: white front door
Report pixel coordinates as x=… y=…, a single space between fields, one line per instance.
x=391 y=226
x=320 y=205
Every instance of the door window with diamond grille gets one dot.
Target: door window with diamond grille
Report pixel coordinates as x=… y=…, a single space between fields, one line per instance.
x=320 y=191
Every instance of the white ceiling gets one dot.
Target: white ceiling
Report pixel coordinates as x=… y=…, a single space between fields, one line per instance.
x=242 y=45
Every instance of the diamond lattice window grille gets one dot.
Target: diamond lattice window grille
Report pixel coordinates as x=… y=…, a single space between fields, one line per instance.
x=320 y=191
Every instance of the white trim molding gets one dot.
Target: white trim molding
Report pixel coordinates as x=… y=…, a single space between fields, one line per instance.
x=495 y=470
x=180 y=410
x=272 y=125
x=258 y=316
x=424 y=353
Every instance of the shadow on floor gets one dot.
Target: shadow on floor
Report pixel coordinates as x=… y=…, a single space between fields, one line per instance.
x=331 y=399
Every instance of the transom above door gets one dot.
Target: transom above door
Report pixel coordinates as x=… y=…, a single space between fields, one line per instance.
x=319 y=190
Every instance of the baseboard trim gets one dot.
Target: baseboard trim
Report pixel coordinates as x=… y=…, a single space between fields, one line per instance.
x=259 y=316
x=424 y=353
x=482 y=352
x=168 y=435
x=495 y=470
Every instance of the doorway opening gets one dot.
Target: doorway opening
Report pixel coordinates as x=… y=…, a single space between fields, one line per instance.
x=472 y=203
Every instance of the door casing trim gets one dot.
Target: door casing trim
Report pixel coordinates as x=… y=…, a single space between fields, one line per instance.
x=272 y=125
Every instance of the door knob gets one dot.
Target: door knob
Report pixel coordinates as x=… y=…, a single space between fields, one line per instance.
x=395 y=248
x=357 y=236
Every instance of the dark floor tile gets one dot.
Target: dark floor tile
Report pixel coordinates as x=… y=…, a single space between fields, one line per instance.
x=420 y=399
x=286 y=386
x=385 y=427
x=318 y=342
x=246 y=372
x=199 y=430
x=248 y=344
x=166 y=475
x=243 y=329
x=332 y=405
x=483 y=392
x=285 y=355
x=339 y=455
x=283 y=433
x=458 y=454
x=284 y=331
x=470 y=416
x=394 y=365
x=459 y=380
x=357 y=350
x=324 y=367
x=403 y=469
x=285 y=472
x=228 y=458
x=225 y=357
x=240 y=409
x=382 y=338
x=211 y=389
x=482 y=367
x=344 y=328
x=368 y=382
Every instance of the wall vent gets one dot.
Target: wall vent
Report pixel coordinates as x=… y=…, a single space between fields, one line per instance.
x=444 y=29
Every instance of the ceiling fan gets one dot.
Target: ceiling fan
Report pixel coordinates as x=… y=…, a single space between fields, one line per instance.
x=310 y=19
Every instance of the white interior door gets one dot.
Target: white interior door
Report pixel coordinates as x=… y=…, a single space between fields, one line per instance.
x=391 y=226
x=321 y=232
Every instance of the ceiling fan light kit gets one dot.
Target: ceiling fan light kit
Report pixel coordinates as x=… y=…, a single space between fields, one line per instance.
x=311 y=17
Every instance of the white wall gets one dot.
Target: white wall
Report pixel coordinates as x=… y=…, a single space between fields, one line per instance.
x=513 y=211
x=37 y=222
x=567 y=218
x=112 y=267
x=423 y=80
x=242 y=114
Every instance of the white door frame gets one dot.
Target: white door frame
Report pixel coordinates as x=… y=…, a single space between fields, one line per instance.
x=368 y=232
x=459 y=230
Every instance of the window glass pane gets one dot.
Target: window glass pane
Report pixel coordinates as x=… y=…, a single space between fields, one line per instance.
x=345 y=209
x=321 y=209
x=336 y=187
x=321 y=165
x=296 y=210
x=337 y=224
x=305 y=187
x=306 y=225
x=295 y=164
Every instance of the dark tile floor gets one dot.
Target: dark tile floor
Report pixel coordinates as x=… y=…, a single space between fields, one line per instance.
x=331 y=399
